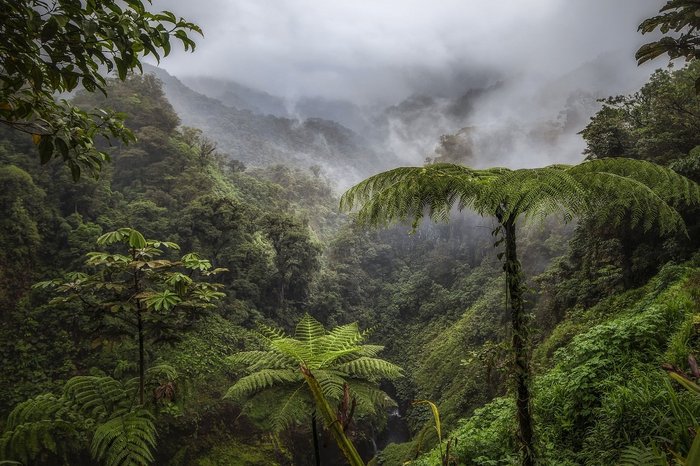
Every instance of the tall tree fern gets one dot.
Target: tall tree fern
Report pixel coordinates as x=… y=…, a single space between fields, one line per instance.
x=313 y=371
x=606 y=191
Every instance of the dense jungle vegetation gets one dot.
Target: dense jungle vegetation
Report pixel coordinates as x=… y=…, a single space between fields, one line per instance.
x=183 y=308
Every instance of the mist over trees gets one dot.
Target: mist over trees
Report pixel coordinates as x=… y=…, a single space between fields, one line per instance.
x=182 y=281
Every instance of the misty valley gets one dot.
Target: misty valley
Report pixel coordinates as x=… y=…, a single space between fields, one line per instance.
x=352 y=253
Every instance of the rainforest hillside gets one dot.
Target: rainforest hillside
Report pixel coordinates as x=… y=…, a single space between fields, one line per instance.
x=194 y=272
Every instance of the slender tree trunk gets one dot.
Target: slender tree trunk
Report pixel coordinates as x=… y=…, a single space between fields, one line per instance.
x=139 y=324
x=314 y=429
x=520 y=344
x=141 y=354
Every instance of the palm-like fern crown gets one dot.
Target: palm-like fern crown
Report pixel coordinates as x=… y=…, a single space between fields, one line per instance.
x=607 y=190
x=336 y=357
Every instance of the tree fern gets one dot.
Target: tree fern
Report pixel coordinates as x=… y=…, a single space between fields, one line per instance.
x=311 y=370
x=607 y=191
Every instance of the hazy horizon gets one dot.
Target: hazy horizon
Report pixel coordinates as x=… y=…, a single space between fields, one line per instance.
x=382 y=52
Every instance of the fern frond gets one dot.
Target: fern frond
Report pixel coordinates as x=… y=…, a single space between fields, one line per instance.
x=270 y=333
x=673 y=188
x=331 y=383
x=370 y=368
x=128 y=439
x=309 y=330
x=342 y=337
x=255 y=360
x=33 y=427
x=293 y=407
x=536 y=192
x=369 y=398
x=300 y=351
x=617 y=198
x=407 y=193
x=641 y=455
x=611 y=189
x=97 y=397
x=260 y=380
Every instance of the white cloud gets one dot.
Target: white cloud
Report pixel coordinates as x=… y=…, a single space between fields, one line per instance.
x=369 y=49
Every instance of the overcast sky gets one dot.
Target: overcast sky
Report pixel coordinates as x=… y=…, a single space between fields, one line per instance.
x=366 y=50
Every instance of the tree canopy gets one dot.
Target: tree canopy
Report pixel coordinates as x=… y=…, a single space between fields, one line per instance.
x=52 y=47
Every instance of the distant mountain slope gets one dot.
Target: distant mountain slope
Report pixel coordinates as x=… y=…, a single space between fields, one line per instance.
x=259 y=140
x=234 y=94
x=237 y=95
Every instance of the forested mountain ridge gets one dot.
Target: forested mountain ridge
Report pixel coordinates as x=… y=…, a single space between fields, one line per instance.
x=258 y=139
x=201 y=304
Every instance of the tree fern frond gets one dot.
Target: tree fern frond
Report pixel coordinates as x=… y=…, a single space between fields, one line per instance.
x=670 y=186
x=128 y=439
x=370 y=351
x=300 y=351
x=293 y=408
x=270 y=333
x=370 y=368
x=331 y=383
x=342 y=337
x=97 y=397
x=309 y=330
x=408 y=193
x=536 y=192
x=260 y=380
x=255 y=360
x=368 y=397
x=618 y=197
x=33 y=427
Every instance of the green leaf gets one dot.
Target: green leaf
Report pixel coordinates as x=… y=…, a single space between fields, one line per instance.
x=45 y=149
x=164 y=300
x=136 y=240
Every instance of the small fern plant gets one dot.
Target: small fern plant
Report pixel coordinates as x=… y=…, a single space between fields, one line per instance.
x=96 y=417
x=311 y=372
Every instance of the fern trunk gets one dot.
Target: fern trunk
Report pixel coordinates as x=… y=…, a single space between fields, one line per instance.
x=520 y=344
x=332 y=421
x=314 y=430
